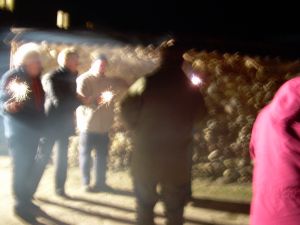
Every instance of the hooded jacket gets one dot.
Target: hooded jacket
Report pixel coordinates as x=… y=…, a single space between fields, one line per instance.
x=275 y=149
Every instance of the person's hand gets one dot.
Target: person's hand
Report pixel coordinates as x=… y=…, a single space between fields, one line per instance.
x=86 y=100
x=13 y=106
x=99 y=100
x=105 y=98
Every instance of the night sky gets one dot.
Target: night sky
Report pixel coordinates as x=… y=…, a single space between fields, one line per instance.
x=248 y=18
x=267 y=28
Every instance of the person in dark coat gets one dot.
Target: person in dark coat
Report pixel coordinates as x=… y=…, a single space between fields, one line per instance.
x=161 y=110
x=22 y=107
x=60 y=105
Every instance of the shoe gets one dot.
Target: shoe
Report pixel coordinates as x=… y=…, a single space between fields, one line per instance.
x=25 y=214
x=34 y=207
x=96 y=189
x=101 y=188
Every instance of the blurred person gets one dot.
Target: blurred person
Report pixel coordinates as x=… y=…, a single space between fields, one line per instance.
x=161 y=111
x=95 y=119
x=60 y=105
x=22 y=107
x=275 y=148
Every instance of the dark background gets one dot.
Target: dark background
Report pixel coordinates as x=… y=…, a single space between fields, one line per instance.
x=248 y=26
x=246 y=18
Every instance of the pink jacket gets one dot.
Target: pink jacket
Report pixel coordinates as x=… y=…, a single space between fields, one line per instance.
x=275 y=149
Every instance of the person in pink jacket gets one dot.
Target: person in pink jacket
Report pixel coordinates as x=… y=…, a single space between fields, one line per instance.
x=275 y=149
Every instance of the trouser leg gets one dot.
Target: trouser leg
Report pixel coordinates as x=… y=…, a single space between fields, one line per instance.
x=61 y=163
x=85 y=148
x=146 y=198
x=23 y=151
x=101 y=145
x=175 y=198
x=41 y=161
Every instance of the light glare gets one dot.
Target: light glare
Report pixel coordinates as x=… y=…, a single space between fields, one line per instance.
x=106 y=97
x=196 y=80
x=19 y=90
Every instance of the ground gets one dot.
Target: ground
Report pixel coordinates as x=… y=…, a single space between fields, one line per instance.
x=213 y=204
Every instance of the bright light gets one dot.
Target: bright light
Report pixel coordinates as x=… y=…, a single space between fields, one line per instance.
x=2 y=4
x=106 y=97
x=63 y=19
x=7 y=4
x=18 y=90
x=196 y=80
x=10 y=5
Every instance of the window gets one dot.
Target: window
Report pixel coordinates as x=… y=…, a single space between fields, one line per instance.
x=63 y=19
x=7 y=5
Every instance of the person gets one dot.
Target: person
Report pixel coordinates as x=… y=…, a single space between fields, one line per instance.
x=22 y=107
x=95 y=118
x=161 y=110
x=60 y=105
x=275 y=148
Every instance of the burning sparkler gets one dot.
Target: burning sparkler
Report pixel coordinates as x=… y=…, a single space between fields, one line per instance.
x=106 y=97
x=196 y=80
x=19 y=90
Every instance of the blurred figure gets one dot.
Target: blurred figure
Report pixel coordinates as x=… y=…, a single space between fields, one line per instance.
x=95 y=118
x=60 y=105
x=161 y=110
x=22 y=106
x=275 y=148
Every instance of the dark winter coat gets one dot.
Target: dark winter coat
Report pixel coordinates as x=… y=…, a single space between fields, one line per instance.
x=61 y=100
x=161 y=111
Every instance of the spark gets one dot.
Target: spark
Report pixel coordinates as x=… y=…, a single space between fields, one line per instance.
x=106 y=97
x=196 y=80
x=19 y=90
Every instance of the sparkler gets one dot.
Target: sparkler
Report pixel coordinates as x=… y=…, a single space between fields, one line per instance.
x=196 y=80
x=19 y=90
x=106 y=97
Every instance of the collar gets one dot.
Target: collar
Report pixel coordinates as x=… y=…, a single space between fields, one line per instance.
x=66 y=70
